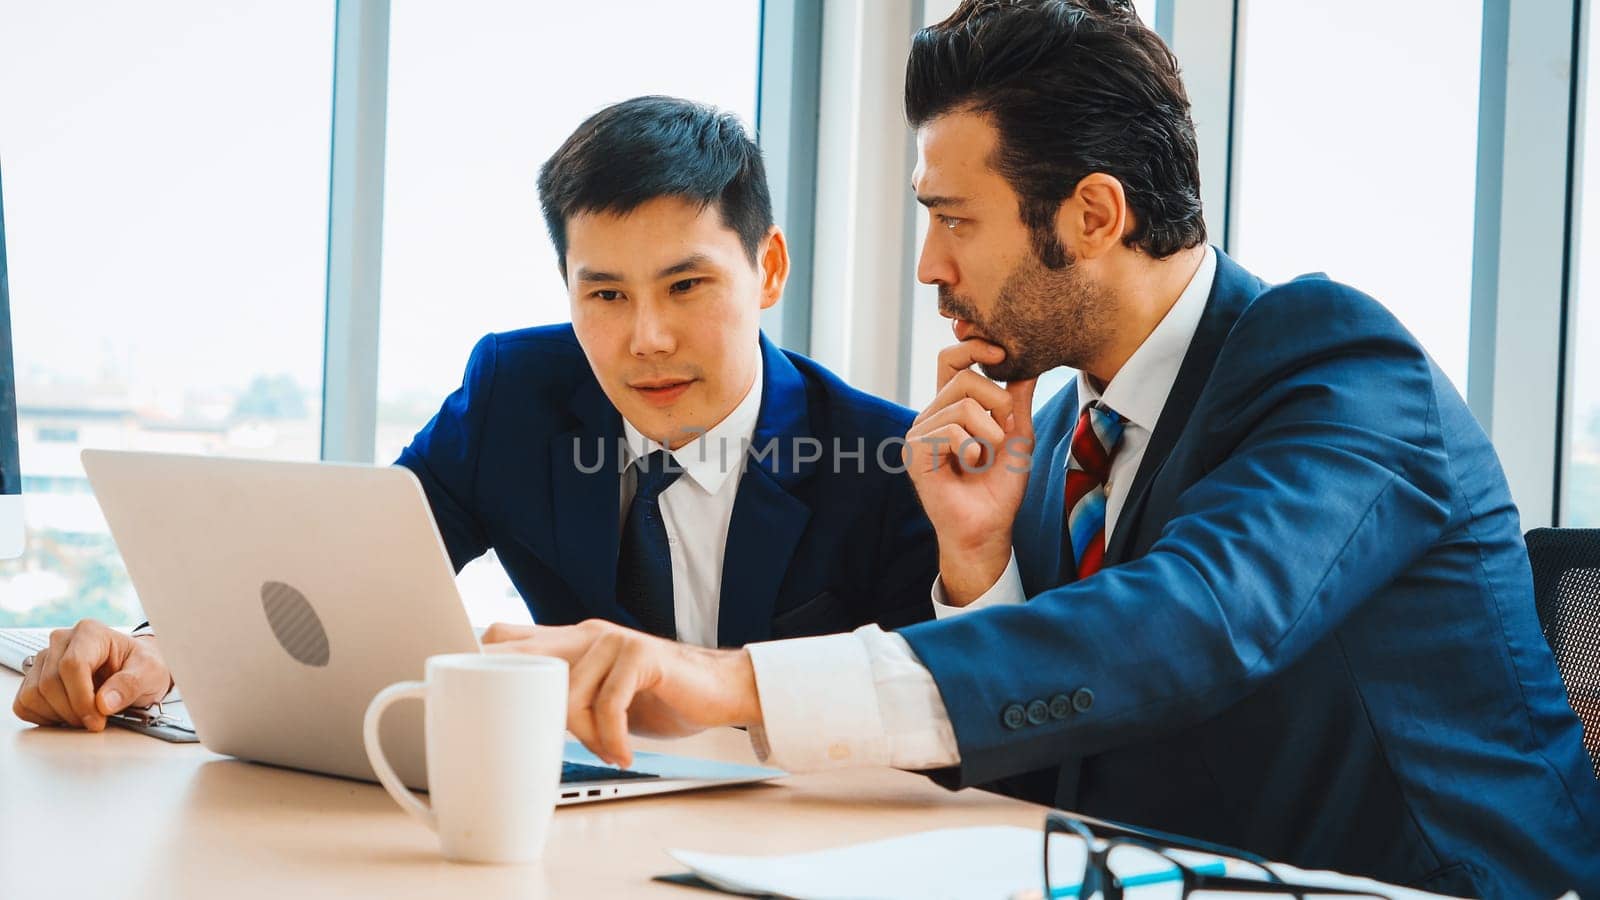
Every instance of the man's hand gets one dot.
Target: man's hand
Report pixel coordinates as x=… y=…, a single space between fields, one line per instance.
x=624 y=680
x=88 y=672
x=968 y=456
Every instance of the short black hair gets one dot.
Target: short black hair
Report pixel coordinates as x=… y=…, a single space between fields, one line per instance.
x=1073 y=87
x=635 y=151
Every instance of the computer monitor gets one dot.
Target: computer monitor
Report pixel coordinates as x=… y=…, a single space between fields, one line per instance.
x=11 y=538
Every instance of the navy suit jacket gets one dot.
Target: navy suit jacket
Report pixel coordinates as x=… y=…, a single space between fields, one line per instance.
x=1315 y=637
x=524 y=458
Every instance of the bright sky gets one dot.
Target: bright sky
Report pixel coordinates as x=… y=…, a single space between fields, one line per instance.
x=167 y=169
x=1584 y=386
x=1359 y=158
x=167 y=172
x=167 y=176
x=475 y=110
x=167 y=186
x=1358 y=155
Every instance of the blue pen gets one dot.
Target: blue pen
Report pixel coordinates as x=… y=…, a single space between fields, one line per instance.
x=1165 y=875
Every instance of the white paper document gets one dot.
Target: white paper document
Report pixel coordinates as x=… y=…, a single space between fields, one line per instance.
x=993 y=862
x=989 y=863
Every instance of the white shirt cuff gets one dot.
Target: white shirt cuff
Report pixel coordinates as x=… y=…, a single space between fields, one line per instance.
x=845 y=700
x=1007 y=591
x=914 y=718
x=818 y=704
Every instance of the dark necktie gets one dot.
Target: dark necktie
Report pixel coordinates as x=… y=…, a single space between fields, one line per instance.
x=644 y=562
x=1094 y=445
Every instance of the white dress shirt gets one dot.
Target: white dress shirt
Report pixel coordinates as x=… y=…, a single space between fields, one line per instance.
x=697 y=509
x=863 y=698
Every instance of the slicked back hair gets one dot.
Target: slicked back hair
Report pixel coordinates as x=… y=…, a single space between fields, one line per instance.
x=1073 y=87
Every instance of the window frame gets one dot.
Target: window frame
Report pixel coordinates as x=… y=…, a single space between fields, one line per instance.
x=1523 y=240
x=788 y=79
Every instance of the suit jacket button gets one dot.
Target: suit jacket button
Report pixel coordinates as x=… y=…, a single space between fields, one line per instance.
x=1060 y=706
x=1082 y=699
x=1013 y=717
x=1038 y=712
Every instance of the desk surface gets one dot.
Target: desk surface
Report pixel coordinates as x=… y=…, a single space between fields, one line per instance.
x=119 y=814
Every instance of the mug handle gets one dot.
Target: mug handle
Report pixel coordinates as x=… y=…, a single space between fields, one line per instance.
x=408 y=801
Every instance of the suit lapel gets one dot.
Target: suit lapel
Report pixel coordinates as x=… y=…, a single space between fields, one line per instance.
x=768 y=519
x=1231 y=291
x=1039 y=546
x=585 y=480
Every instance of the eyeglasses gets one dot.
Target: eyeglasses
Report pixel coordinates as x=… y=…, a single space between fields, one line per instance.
x=1117 y=858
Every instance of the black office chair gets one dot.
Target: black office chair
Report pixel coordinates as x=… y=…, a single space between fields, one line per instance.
x=1566 y=588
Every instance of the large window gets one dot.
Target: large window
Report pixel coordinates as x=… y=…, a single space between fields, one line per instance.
x=166 y=209
x=1580 y=500
x=480 y=94
x=1357 y=154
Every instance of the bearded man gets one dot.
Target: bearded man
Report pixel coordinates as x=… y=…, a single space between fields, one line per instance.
x=1255 y=577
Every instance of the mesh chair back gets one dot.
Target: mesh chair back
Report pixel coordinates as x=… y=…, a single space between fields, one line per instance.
x=1566 y=587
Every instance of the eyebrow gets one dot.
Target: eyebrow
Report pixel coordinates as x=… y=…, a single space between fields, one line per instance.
x=586 y=274
x=687 y=264
x=931 y=201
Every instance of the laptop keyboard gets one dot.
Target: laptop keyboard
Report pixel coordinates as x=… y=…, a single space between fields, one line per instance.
x=577 y=773
x=18 y=644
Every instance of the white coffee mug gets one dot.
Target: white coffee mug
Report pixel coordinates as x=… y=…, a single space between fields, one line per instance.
x=496 y=730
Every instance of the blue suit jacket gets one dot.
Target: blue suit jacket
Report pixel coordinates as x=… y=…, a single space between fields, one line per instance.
x=524 y=458
x=1316 y=636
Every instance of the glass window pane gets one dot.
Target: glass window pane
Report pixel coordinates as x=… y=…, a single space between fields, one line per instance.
x=1358 y=154
x=480 y=94
x=1580 y=500
x=166 y=190
x=1147 y=11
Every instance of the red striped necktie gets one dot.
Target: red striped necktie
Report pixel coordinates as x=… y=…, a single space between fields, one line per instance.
x=1094 y=445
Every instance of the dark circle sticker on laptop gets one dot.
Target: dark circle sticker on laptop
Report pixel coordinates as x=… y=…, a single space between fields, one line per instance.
x=295 y=623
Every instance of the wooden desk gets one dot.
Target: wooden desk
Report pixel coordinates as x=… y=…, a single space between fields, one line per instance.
x=118 y=814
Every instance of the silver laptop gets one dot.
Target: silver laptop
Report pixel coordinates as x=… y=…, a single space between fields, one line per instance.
x=286 y=595
x=17 y=644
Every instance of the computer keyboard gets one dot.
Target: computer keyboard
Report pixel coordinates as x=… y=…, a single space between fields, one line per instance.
x=17 y=644
x=577 y=773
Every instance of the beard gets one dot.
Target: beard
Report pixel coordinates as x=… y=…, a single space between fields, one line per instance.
x=1042 y=318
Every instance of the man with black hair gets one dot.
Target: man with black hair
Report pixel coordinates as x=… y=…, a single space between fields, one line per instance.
x=752 y=504
x=1254 y=577
x=657 y=463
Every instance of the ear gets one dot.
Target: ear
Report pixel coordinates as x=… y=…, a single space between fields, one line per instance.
x=773 y=256
x=1093 y=220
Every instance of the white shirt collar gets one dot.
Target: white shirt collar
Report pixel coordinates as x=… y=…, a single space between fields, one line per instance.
x=709 y=459
x=1139 y=391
